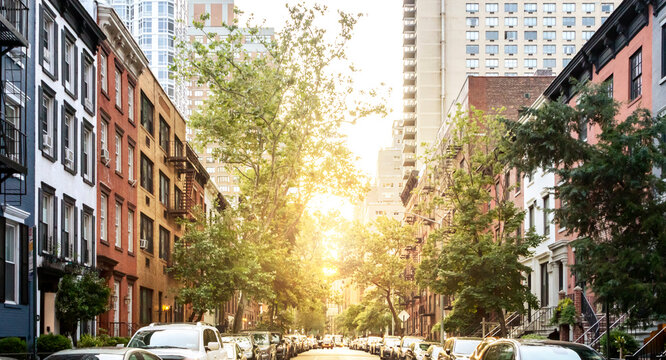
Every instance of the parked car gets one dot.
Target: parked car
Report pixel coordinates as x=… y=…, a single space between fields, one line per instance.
x=264 y=349
x=400 y=350
x=476 y=355
x=244 y=341
x=234 y=351
x=281 y=346
x=327 y=343
x=538 y=350
x=104 y=353
x=387 y=346
x=373 y=344
x=434 y=352
x=417 y=350
x=459 y=347
x=193 y=341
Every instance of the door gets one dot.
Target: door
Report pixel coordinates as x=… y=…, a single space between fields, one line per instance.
x=116 y=308
x=208 y=337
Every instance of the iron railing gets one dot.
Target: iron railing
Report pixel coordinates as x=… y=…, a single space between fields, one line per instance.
x=651 y=350
x=13 y=23
x=595 y=343
x=539 y=324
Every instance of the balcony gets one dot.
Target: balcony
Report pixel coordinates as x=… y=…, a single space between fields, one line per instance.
x=409 y=39
x=409 y=133
x=409 y=119
x=409 y=79
x=408 y=25
x=12 y=150
x=409 y=52
x=13 y=25
x=407 y=171
x=408 y=11
x=409 y=65
x=409 y=147
x=408 y=159
x=409 y=105
x=179 y=205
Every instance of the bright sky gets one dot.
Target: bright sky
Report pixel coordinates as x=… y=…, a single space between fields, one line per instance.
x=376 y=50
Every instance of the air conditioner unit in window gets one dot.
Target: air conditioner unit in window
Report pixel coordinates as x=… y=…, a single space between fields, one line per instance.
x=105 y=156
x=47 y=141
x=69 y=156
x=143 y=243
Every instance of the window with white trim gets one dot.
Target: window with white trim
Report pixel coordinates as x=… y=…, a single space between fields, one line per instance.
x=68 y=230
x=87 y=154
x=12 y=279
x=119 y=153
x=569 y=7
x=88 y=84
x=130 y=103
x=119 y=90
x=69 y=66
x=48 y=122
x=48 y=42
x=104 y=75
x=103 y=210
x=87 y=239
x=103 y=135
x=511 y=21
x=549 y=21
x=130 y=163
x=130 y=230
x=588 y=7
x=549 y=7
x=46 y=223
x=68 y=139
x=118 y=224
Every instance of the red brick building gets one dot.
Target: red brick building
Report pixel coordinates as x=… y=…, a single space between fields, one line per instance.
x=120 y=62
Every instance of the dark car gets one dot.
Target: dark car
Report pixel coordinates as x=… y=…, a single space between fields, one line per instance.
x=510 y=349
x=459 y=347
x=264 y=348
x=104 y=353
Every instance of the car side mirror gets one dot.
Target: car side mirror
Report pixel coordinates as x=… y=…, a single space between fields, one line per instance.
x=212 y=346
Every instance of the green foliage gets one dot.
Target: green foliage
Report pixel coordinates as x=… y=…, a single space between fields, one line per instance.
x=534 y=337
x=565 y=313
x=612 y=193
x=12 y=345
x=51 y=343
x=622 y=344
x=101 y=340
x=80 y=298
x=474 y=257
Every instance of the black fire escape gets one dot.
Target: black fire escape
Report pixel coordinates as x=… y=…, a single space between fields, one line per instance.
x=13 y=72
x=188 y=170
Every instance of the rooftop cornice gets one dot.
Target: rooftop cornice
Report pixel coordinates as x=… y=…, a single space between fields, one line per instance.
x=121 y=40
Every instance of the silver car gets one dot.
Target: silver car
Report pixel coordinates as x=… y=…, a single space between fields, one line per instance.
x=104 y=354
x=177 y=341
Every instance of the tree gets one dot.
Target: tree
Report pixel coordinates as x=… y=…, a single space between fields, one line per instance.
x=80 y=299
x=612 y=190
x=373 y=257
x=311 y=319
x=475 y=256
x=346 y=320
x=275 y=119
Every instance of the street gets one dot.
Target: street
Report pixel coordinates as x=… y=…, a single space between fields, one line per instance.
x=336 y=354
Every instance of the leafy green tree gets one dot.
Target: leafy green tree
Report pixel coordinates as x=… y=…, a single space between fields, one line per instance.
x=311 y=319
x=80 y=298
x=612 y=190
x=375 y=317
x=373 y=257
x=474 y=257
x=346 y=321
x=275 y=119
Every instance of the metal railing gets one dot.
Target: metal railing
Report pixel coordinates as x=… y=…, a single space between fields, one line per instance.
x=15 y=12
x=497 y=329
x=540 y=323
x=12 y=145
x=118 y=328
x=653 y=349
x=616 y=323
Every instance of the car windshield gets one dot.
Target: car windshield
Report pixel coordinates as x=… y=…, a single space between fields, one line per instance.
x=409 y=341
x=243 y=342
x=89 y=356
x=392 y=341
x=261 y=339
x=553 y=352
x=424 y=347
x=465 y=346
x=166 y=338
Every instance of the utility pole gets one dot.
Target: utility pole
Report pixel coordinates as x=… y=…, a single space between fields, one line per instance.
x=441 y=320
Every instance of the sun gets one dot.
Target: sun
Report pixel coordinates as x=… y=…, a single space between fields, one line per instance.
x=325 y=203
x=329 y=271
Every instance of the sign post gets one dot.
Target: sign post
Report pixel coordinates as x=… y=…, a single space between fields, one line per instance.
x=404 y=316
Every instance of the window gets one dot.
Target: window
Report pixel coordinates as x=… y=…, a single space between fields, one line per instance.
x=566 y=62
x=492 y=21
x=510 y=49
x=492 y=7
x=48 y=122
x=510 y=63
x=530 y=35
x=47 y=222
x=103 y=217
x=511 y=21
x=472 y=49
x=164 y=244
x=544 y=284
x=68 y=138
x=530 y=21
x=588 y=21
x=12 y=279
x=582 y=131
x=118 y=224
x=492 y=35
x=588 y=7
x=492 y=63
x=69 y=65
x=147 y=232
x=49 y=40
x=472 y=21
x=164 y=189
x=164 y=134
x=104 y=75
x=607 y=7
x=531 y=216
x=511 y=35
x=492 y=49
x=636 y=68
x=86 y=154
x=103 y=134
x=530 y=63
x=549 y=21
x=569 y=7
x=119 y=153
x=560 y=276
x=87 y=237
x=472 y=7
x=609 y=85
x=147 y=113
x=603 y=19
x=146 y=173
x=88 y=83
x=146 y=305
x=569 y=21
x=130 y=162
x=130 y=230
x=549 y=35
x=511 y=7
x=549 y=63
x=546 y=215
x=118 y=88
x=569 y=49
x=130 y=103
x=549 y=7
x=519 y=178
x=530 y=7
x=472 y=35
x=472 y=63
x=530 y=49
x=549 y=49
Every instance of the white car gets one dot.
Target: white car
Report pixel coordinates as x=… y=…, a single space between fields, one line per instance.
x=180 y=341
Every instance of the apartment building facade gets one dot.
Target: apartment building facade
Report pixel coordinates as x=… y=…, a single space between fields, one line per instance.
x=64 y=144
x=120 y=63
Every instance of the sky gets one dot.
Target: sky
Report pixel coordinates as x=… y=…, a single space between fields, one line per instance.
x=375 y=49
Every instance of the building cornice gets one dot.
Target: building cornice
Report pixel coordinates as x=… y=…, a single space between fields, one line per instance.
x=81 y=21
x=121 y=41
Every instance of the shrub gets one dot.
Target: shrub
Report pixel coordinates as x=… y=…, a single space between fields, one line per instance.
x=534 y=337
x=565 y=313
x=620 y=340
x=12 y=345
x=121 y=340
x=51 y=343
x=88 y=341
x=101 y=340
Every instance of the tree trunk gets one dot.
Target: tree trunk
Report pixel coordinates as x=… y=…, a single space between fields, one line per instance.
x=502 y=324
x=191 y=318
x=396 y=319
x=238 y=318
x=200 y=315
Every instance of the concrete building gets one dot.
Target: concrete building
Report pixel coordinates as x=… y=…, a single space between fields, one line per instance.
x=506 y=38
x=120 y=63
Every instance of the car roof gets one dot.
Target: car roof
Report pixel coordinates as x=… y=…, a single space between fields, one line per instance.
x=99 y=350
x=183 y=325
x=536 y=342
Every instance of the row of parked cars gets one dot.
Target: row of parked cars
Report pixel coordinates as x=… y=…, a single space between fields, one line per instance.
x=195 y=341
x=468 y=348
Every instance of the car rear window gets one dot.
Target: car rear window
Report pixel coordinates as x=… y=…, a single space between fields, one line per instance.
x=554 y=352
x=86 y=357
x=261 y=339
x=465 y=346
x=166 y=338
x=409 y=341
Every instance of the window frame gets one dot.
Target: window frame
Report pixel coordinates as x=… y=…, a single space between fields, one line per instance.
x=117 y=224
x=69 y=65
x=147 y=232
x=16 y=262
x=130 y=230
x=104 y=217
x=147 y=114
x=118 y=153
x=48 y=116
x=118 y=88
x=88 y=159
x=48 y=55
x=104 y=72
x=147 y=178
x=636 y=77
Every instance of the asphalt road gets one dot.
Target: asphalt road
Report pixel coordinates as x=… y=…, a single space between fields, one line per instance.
x=336 y=354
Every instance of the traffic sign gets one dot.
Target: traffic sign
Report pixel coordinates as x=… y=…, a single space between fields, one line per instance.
x=403 y=315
